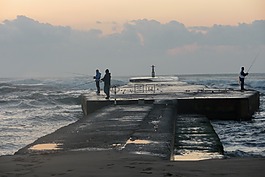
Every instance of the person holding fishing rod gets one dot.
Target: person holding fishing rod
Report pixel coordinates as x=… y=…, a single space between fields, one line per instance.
x=97 y=79
x=242 y=76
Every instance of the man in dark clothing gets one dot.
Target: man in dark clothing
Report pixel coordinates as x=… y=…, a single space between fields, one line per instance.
x=106 y=80
x=97 y=79
x=242 y=78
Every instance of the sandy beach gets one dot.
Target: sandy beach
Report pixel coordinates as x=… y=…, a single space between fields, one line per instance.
x=119 y=163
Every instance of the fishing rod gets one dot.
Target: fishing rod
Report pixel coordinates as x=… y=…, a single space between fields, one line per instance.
x=253 y=61
x=84 y=84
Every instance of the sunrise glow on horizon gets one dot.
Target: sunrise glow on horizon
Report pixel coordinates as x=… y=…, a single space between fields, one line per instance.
x=85 y=15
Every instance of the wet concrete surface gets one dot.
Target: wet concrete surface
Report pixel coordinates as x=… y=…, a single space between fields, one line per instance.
x=195 y=138
x=107 y=128
x=154 y=135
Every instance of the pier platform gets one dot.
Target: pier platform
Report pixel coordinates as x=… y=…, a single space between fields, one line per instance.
x=221 y=104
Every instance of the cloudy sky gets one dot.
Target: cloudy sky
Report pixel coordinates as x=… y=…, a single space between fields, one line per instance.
x=56 y=38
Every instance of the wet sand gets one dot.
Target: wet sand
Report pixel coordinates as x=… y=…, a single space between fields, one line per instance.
x=119 y=163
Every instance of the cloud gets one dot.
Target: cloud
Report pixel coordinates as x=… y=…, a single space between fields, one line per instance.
x=28 y=46
x=193 y=48
x=183 y=49
x=243 y=34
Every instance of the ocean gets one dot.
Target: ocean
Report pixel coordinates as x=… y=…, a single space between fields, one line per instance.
x=31 y=108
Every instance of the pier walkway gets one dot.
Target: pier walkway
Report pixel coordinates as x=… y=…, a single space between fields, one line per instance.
x=139 y=129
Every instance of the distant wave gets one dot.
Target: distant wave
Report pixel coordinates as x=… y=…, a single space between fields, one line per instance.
x=258 y=84
x=6 y=88
x=68 y=100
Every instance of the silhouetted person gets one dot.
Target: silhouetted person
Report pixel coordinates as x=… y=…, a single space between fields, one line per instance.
x=97 y=79
x=106 y=80
x=242 y=78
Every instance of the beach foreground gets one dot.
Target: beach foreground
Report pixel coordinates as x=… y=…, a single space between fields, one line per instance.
x=119 y=163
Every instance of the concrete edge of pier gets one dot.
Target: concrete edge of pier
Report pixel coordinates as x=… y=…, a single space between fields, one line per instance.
x=221 y=108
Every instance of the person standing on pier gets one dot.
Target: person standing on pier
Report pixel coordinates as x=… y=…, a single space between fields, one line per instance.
x=242 y=76
x=97 y=79
x=106 y=80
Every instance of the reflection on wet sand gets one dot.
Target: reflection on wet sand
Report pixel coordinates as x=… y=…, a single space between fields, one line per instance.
x=138 y=141
x=196 y=156
x=45 y=147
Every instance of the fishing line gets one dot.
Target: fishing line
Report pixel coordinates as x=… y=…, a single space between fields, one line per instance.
x=78 y=74
x=253 y=61
x=84 y=84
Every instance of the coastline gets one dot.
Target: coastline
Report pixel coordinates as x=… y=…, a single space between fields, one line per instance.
x=120 y=163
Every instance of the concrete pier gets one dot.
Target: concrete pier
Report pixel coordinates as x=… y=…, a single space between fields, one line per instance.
x=157 y=116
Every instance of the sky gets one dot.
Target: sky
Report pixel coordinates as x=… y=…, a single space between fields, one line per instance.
x=87 y=14
x=54 y=38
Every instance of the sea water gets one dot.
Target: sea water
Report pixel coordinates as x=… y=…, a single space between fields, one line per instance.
x=31 y=108
x=239 y=138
